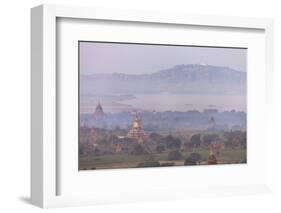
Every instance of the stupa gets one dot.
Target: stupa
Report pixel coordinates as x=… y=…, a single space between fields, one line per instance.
x=136 y=131
x=99 y=117
x=212 y=158
x=99 y=111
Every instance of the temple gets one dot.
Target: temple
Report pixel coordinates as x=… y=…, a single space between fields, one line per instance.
x=99 y=111
x=212 y=158
x=136 y=132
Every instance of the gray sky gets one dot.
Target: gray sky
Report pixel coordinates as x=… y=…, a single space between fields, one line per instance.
x=137 y=59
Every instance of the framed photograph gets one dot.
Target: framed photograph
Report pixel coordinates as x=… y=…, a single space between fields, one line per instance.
x=149 y=106
x=185 y=113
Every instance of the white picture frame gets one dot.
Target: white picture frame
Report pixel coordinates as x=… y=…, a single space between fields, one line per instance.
x=44 y=154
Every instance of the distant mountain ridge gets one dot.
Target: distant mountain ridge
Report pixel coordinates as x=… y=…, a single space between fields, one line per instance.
x=185 y=78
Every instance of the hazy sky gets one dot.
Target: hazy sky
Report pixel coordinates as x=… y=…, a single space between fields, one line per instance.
x=137 y=59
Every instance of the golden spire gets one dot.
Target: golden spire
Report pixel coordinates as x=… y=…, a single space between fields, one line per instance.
x=136 y=131
x=136 y=123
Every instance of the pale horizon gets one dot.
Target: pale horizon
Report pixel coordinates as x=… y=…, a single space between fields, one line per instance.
x=109 y=58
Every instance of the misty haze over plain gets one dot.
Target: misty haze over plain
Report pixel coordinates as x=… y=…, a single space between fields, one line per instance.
x=127 y=77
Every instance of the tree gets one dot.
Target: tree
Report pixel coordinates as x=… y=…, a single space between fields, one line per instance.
x=236 y=138
x=195 y=140
x=155 y=137
x=192 y=159
x=207 y=139
x=171 y=142
x=160 y=148
x=138 y=150
x=174 y=155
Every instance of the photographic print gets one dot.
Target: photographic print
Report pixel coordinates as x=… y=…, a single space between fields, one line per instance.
x=158 y=105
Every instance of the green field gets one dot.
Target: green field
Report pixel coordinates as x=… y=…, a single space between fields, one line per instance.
x=125 y=160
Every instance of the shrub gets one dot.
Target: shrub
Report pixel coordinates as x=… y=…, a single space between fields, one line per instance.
x=192 y=159
x=160 y=148
x=174 y=155
x=138 y=150
x=167 y=164
x=150 y=162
